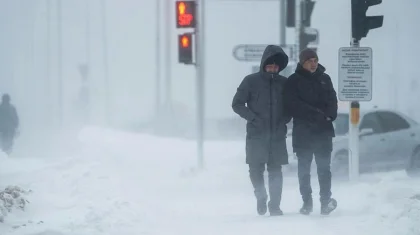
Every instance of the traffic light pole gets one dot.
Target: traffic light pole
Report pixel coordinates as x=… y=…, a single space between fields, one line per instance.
x=108 y=111
x=298 y=27
x=283 y=13
x=354 y=133
x=158 y=64
x=200 y=74
x=60 y=63
x=167 y=62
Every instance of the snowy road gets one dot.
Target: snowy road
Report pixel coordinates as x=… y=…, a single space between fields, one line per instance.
x=119 y=183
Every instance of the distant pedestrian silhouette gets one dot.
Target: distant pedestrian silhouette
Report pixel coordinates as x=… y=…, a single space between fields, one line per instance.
x=9 y=122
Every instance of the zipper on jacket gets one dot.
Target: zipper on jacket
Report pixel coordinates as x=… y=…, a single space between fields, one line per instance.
x=271 y=113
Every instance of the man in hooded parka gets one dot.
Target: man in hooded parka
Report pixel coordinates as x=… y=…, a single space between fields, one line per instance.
x=259 y=100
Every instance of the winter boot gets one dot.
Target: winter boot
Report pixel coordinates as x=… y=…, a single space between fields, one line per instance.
x=262 y=206
x=276 y=212
x=328 y=207
x=274 y=209
x=307 y=207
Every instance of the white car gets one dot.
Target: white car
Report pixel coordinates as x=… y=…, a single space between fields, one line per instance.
x=388 y=140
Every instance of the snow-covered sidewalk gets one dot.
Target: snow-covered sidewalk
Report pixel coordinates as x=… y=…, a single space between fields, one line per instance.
x=121 y=183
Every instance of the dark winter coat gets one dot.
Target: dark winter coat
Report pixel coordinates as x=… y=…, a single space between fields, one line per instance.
x=9 y=120
x=310 y=99
x=259 y=100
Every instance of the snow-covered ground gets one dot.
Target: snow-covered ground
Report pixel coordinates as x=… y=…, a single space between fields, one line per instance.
x=124 y=183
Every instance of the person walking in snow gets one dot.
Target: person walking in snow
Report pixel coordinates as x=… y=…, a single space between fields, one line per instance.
x=311 y=100
x=259 y=100
x=9 y=122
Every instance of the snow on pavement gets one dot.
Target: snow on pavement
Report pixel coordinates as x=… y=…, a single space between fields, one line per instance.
x=124 y=183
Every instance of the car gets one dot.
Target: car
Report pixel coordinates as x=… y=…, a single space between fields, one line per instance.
x=388 y=140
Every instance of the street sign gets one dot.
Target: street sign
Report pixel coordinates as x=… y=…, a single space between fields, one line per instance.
x=355 y=74
x=254 y=52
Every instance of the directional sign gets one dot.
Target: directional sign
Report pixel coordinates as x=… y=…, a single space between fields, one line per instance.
x=254 y=52
x=355 y=74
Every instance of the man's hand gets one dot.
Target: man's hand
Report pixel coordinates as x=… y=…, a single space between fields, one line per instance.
x=258 y=122
x=319 y=118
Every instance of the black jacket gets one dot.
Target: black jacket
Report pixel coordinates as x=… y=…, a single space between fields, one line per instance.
x=311 y=100
x=259 y=100
x=9 y=120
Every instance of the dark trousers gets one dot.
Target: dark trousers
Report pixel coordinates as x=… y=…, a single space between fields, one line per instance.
x=6 y=141
x=323 y=162
x=275 y=183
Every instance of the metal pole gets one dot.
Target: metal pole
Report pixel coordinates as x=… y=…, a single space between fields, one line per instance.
x=59 y=64
x=354 y=135
x=168 y=81
x=283 y=13
x=158 y=68
x=86 y=83
x=87 y=33
x=105 y=61
x=48 y=64
x=298 y=26
x=200 y=62
x=395 y=68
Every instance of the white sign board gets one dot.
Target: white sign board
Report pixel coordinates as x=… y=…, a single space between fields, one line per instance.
x=355 y=74
x=255 y=52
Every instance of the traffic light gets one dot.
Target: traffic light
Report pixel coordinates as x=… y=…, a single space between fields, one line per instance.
x=291 y=13
x=185 y=14
x=307 y=36
x=185 y=51
x=361 y=24
x=306 y=9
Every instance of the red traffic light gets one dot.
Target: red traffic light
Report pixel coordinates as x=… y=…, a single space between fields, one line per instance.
x=185 y=48
x=181 y=8
x=185 y=41
x=185 y=14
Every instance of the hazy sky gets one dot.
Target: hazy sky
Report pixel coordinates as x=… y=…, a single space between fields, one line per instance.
x=131 y=36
